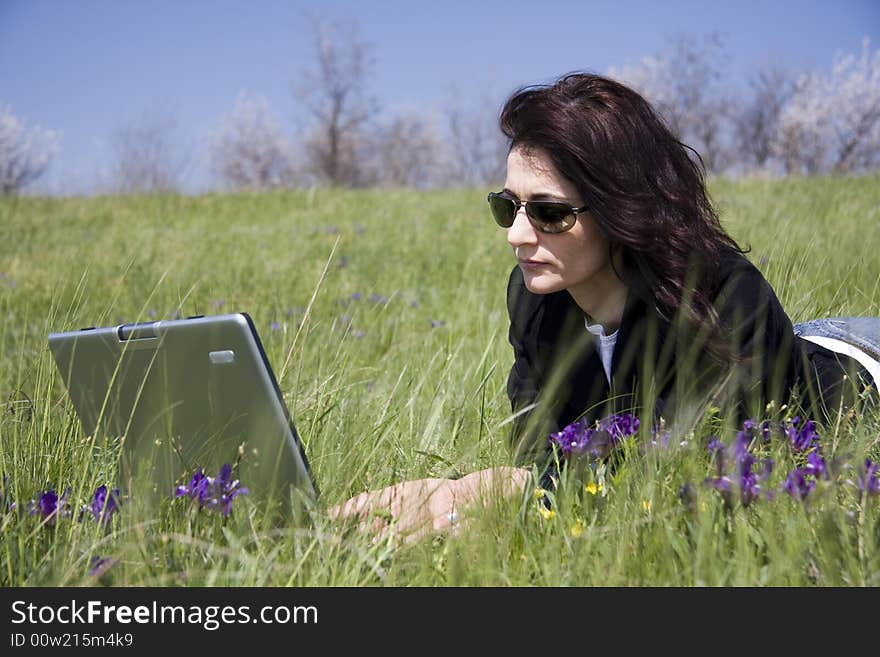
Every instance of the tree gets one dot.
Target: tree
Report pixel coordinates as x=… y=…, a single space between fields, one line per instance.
x=832 y=123
x=24 y=155
x=248 y=150
x=685 y=88
x=757 y=123
x=477 y=153
x=335 y=93
x=147 y=157
x=802 y=139
x=409 y=153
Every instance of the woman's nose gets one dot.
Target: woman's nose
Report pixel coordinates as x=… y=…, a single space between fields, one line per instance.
x=521 y=231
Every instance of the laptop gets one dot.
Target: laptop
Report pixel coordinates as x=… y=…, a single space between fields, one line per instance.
x=182 y=395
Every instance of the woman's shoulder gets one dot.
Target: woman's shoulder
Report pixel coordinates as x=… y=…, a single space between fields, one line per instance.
x=740 y=281
x=747 y=305
x=735 y=263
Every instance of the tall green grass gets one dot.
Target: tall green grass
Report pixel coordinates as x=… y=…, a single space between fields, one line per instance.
x=405 y=384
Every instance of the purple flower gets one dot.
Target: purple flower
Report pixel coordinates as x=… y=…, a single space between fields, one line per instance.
x=735 y=468
x=798 y=485
x=574 y=438
x=98 y=566
x=750 y=480
x=816 y=464
x=213 y=493
x=803 y=438
x=577 y=438
x=358 y=334
x=750 y=489
x=723 y=485
x=741 y=449
x=104 y=505
x=750 y=431
x=356 y=296
x=715 y=445
x=50 y=506
x=660 y=437
x=226 y=490
x=869 y=481
x=378 y=298
x=619 y=426
x=196 y=488
x=719 y=483
x=274 y=326
x=437 y=323
x=718 y=452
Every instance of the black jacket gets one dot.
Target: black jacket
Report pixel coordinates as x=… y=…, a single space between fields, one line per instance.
x=557 y=375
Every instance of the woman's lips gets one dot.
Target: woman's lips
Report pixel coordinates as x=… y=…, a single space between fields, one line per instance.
x=531 y=264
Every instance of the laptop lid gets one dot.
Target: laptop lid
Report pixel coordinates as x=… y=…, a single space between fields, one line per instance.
x=186 y=394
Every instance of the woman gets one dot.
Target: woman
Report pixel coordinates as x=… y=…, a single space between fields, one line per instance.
x=627 y=295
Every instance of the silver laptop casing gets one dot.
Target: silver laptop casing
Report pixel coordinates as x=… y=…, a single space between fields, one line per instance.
x=186 y=394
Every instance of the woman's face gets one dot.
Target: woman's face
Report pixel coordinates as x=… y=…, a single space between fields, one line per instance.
x=577 y=260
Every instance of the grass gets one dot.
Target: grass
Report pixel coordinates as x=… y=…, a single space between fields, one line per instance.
x=405 y=384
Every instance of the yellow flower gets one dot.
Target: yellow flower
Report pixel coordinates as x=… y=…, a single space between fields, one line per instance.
x=548 y=514
x=577 y=528
x=646 y=505
x=539 y=493
x=592 y=488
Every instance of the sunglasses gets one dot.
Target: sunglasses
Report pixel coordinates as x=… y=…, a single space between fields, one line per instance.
x=545 y=216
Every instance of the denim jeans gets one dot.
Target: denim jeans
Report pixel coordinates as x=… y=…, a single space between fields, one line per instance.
x=838 y=333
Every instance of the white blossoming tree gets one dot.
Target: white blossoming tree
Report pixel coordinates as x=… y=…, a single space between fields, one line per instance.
x=832 y=122
x=248 y=149
x=685 y=88
x=476 y=152
x=756 y=124
x=147 y=156
x=409 y=152
x=24 y=155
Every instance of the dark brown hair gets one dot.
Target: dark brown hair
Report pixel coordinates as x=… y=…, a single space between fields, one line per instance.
x=640 y=183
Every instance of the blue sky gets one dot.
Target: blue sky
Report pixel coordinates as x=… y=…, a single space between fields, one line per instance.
x=86 y=67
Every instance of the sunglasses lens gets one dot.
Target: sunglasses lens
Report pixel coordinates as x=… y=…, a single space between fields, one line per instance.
x=550 y=217
x=503 y=209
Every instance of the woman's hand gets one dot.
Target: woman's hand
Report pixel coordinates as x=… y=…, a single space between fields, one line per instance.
x=413 y=509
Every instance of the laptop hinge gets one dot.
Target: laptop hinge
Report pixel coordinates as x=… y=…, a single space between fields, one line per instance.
x=139 y=331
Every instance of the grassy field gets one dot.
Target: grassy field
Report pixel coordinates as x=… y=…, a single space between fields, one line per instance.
x=393 y=365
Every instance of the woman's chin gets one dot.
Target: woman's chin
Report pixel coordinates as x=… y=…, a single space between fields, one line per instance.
x=537 y=284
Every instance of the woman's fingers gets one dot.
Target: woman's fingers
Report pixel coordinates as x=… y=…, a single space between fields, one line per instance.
x=350 y=507
x=403 y=507
x=413 y=509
